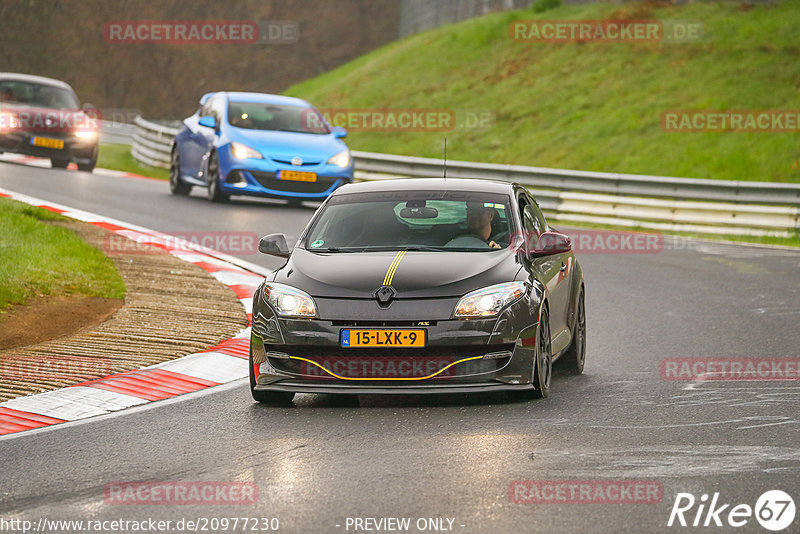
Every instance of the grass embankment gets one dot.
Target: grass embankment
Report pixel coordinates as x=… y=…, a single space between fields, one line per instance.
x=43 y=259
x=588 y=106
x=119 y=158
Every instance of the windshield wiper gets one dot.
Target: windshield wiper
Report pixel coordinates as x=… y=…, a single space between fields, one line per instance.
x=333 y=249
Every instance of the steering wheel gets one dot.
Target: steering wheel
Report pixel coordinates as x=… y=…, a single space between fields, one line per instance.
x=467 y=241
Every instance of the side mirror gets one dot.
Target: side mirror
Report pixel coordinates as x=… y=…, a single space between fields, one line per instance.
x=339 y=132
x=274 y=245
x=551 y=243
x=208 y=121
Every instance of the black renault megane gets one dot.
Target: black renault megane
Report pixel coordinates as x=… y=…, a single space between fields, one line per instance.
x=419 y=286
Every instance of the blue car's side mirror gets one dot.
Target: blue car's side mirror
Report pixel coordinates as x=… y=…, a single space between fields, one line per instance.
x=339 y=132
x=208 y=122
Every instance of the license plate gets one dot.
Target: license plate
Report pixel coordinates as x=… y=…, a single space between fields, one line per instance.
x=46 y=142
x=297 y=176
x=383 y=338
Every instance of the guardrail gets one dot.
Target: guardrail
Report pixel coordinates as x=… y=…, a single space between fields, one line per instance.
x=653 y=202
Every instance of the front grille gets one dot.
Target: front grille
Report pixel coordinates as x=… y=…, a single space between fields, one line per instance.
x=409 y=363
x=289 y=162
x=268 y=180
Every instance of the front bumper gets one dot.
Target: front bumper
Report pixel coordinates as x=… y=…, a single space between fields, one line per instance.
x=74 y=149
x=259 y=177
x=459 y=356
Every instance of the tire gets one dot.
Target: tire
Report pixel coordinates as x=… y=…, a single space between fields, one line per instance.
x=543 y=373
x=89 y=167
x=543 y=366
x=214 y=194
x=176 y=185
x=276 y=398
x=575 y=357
x=59 y=163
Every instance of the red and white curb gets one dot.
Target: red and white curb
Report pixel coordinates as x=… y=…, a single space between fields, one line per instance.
x=223 y=363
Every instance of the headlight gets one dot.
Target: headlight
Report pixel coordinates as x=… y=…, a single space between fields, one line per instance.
x=489 y=301
x=86 y=135
x=8 y=121
x=241 y=151
x=288 y=301
x=342 y=159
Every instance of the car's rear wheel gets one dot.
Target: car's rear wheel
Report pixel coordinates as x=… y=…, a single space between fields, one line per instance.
x=176 y=185
x=575 y=357
x=214 y=193
x=267 y=397
x=59 y=163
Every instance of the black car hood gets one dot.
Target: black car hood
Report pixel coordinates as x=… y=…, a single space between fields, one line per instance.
x=418 y=274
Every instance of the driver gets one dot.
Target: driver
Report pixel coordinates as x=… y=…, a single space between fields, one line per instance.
x=479 y=222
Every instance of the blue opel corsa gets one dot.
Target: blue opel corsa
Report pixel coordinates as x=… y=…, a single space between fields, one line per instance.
x=260 y=145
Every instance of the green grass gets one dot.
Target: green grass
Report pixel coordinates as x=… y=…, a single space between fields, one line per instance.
x=41 y=259
x=118 y=158
x=591 y=106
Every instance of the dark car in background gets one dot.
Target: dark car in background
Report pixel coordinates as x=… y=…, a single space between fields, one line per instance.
x=259 y=145
x=419 y=286
x=42 y=117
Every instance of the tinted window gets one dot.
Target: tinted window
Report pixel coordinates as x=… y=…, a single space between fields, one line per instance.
x=433 y=220
x=259 y=116
x=37 y=95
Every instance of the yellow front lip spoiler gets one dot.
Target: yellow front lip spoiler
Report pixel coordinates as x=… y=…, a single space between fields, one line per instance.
x=443 y=369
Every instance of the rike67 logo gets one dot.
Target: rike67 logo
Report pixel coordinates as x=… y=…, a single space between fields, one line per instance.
x=774 y=510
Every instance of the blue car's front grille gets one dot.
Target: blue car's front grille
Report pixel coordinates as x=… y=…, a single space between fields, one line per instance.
x=268 y=180
x=289 y=162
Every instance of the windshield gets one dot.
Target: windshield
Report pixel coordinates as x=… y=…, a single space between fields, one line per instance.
x=260 y=116
x=423 y=220
x=36 y=95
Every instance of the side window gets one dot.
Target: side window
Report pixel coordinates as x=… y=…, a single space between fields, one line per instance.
x=537 y=219
x=206 y=111
x=218 y=108
x=529 y=230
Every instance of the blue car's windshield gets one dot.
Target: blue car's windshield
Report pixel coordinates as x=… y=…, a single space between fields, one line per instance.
x=260 y=116
x=430 y=220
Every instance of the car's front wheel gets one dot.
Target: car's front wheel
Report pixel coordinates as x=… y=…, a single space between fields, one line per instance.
x=543 y=372
x=542 y=365
x=267 y=397
x=214 y=193
x=176 y=185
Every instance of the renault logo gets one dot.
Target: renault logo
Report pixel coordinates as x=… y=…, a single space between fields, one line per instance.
x=384 y=295
x=297 y=161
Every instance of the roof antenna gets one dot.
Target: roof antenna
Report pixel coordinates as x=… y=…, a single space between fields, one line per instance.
x=445 y=158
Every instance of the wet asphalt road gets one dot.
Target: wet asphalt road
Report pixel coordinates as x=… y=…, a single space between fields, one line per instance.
x=326 y=459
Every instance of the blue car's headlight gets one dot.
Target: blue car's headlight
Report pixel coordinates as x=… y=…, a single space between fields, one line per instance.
x=488 y=302
x=241 y=151
x=289 y=301
x=342 y=159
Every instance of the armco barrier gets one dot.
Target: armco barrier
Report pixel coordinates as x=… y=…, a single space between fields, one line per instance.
x=631 y=200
